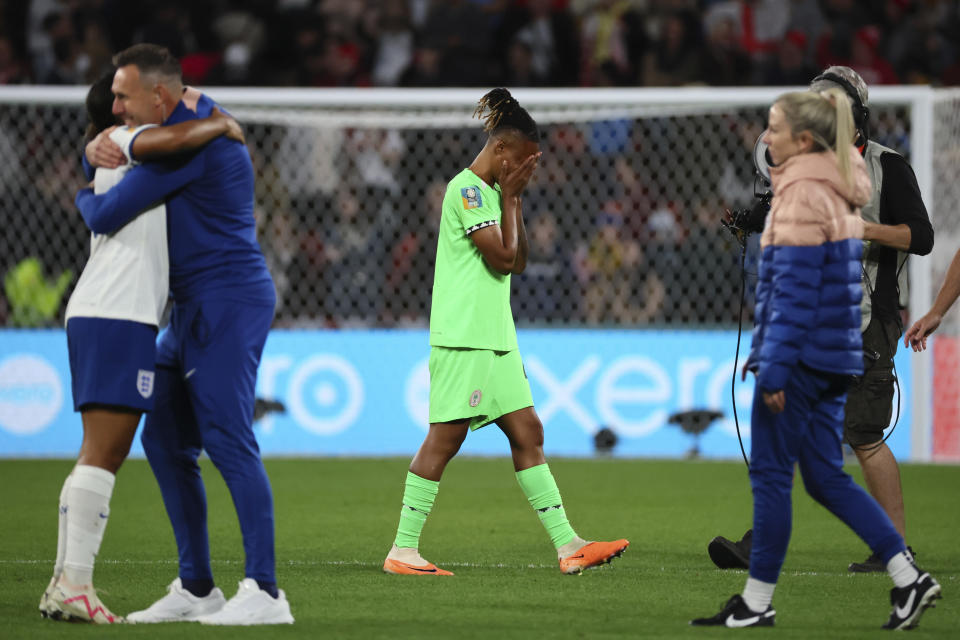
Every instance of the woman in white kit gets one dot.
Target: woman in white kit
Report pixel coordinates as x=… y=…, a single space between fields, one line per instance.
x=112 y=319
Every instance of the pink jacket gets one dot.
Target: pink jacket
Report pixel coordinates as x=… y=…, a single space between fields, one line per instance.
x=813 y=204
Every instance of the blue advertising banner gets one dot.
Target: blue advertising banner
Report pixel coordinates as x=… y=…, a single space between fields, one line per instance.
x=365 y=393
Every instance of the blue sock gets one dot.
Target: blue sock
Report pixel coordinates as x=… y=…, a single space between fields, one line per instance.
x=269 y=587
x=199 y=588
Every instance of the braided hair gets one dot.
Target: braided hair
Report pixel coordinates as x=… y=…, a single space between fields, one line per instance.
x=501 y=112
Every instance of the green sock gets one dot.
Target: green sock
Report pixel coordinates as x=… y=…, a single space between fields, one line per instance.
x=542 y=493
x=418 y=496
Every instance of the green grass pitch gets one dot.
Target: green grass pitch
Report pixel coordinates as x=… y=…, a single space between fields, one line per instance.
x=336 y=520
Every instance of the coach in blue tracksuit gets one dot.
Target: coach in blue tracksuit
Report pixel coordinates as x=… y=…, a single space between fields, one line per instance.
x=207 y=358
x=806 y=346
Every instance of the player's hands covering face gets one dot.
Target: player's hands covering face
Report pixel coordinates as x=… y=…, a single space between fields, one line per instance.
x=514 y=178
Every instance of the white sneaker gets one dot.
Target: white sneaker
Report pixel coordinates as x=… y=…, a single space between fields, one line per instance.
x=77 y=604
x=252 y=606
x=179 y=605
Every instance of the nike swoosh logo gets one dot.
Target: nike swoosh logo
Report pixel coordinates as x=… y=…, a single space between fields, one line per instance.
x=904 y=611
x=735 y=623
x=411 y=567
x=190 y=373
x=419 y=569
x=575 y=557
x=104 y=515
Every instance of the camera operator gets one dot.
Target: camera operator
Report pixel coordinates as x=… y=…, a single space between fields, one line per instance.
x=895 y=225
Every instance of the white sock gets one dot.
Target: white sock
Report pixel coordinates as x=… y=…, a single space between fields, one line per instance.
x=88 y=506
x=902 y=570
x=407 y=554
x=758 y=594
x=61 y=528
x=571 y=547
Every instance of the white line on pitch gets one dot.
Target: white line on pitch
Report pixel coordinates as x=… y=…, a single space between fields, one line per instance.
x=469 y=565
x=307 y=563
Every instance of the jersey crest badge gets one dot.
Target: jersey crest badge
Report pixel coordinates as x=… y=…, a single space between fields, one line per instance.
x=145 y=383
x=471 y=198
x=475 y=398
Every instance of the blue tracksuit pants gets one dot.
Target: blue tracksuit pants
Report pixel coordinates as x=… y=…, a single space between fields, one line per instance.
x=207 y=362
x=808 y=433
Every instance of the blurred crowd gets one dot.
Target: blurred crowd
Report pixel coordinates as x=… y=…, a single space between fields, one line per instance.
x=418 y=43
x=618 y=235
x=623 y=221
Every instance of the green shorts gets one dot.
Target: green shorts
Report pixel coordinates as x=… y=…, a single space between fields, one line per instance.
x=476 y=385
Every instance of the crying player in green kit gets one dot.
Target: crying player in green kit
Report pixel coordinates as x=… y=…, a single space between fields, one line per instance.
x=476 y=373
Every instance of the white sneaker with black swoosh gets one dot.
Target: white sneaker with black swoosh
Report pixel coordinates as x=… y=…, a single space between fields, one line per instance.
x=736 y=614
x=910 y=602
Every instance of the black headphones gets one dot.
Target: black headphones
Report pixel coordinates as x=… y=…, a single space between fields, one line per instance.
x=861 y=113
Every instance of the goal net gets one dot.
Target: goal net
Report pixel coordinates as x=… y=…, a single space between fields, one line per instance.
x=623 y=214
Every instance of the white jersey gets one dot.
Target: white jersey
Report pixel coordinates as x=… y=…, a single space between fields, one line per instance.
x=128 y=274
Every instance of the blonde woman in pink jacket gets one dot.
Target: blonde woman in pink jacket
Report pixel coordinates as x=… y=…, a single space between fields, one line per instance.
x=806 y=346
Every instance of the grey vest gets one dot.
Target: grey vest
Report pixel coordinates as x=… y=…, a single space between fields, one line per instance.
x=871 y=213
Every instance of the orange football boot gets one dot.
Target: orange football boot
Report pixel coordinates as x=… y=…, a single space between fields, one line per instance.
x=409 y=562
x=592 y=554
x=404 y=569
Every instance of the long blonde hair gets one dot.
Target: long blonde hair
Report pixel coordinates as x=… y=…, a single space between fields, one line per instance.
x=828 y=117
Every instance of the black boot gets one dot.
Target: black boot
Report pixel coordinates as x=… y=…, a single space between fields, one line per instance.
x=731 y=555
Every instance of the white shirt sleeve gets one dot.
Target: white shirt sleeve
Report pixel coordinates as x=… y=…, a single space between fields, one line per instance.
x=124 y=136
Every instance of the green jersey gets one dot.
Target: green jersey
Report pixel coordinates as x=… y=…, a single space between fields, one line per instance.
x=471 y=301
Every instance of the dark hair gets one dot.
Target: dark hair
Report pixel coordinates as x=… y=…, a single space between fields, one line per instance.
x=100 y=105
x=149 y=58
x=500 y=111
